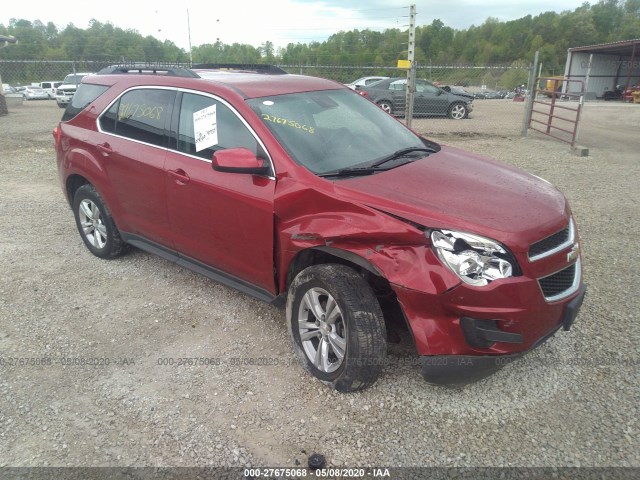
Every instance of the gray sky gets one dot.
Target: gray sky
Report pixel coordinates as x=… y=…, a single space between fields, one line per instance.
x=280 y=21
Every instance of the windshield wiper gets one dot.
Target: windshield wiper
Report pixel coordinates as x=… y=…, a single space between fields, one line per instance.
x=401 y=153
x=375 y=167
x=352 y=172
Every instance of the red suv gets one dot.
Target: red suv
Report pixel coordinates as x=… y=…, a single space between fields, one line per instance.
x=297 y=190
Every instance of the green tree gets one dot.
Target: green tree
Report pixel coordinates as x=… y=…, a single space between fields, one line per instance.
x=267 y=51
x=492 y=42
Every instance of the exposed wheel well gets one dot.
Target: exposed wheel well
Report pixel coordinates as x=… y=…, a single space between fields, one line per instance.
x=379 y=284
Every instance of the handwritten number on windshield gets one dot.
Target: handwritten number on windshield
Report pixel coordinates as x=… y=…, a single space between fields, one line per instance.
x=289 y=123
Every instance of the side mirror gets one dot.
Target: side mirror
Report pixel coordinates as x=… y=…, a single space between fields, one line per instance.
x=239 y=160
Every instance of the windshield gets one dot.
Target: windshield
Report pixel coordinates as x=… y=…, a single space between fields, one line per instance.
x=73 y=79
x=331 y=130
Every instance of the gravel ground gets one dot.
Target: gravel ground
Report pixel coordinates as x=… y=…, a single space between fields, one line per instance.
x=573 y=402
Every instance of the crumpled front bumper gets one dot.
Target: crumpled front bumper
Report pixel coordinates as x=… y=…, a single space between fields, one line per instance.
x=458 y=370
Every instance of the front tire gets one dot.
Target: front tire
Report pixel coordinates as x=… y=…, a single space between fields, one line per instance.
x=336 y=326
x=95 y=224
x=458 y=111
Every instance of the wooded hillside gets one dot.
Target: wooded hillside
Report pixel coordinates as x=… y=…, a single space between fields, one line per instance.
x=492 y=42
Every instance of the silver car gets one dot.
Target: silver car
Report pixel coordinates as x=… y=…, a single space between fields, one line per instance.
x=34 y=93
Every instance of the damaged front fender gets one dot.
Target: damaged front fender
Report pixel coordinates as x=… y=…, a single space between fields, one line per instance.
x=383 y=244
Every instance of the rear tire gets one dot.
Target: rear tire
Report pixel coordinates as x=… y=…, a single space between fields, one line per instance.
x=95 y=224
x=386 y=106
x=336 y=326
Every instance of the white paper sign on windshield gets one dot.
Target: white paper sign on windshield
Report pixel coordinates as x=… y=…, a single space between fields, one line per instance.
x=205 y=128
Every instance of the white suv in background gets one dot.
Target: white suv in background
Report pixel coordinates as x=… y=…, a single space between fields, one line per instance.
x=65 y=92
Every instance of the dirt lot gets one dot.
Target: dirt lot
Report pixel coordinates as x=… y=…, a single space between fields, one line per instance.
x=574 y=402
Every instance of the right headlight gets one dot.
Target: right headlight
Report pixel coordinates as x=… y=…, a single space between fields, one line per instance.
x=474 y=259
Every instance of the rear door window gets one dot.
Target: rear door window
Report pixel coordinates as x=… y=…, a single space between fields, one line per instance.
x=398 y=85
x=141 y=115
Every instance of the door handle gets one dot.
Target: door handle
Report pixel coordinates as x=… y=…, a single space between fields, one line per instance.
x=105 y=148
x=180 y=176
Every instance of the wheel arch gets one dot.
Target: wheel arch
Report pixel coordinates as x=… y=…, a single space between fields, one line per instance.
x=392 y=310
x=83 y=168
x=72 y=184
x=372 y=275
x=76 y=179
x=322 y=254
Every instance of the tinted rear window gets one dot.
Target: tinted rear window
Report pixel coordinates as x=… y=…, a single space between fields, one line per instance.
x=141 y=115
x=85 y=94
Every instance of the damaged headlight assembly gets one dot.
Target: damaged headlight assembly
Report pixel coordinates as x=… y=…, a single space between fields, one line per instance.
x=474 y=259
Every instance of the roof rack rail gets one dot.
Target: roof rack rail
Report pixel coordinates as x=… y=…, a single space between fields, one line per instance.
x=244 y=67
x=148 y=69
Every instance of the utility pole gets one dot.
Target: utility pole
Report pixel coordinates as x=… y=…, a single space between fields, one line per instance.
x=189 y=31
x=411 y=73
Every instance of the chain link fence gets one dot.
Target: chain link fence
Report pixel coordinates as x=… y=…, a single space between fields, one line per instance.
x=471 y=100
x=27 y=72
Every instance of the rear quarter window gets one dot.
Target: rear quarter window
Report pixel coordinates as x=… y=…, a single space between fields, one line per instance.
x=85 y=95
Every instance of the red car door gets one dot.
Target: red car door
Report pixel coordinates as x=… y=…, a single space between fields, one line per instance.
x=224 y=220
x=133 y=148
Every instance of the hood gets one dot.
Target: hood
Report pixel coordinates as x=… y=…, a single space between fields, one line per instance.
x=461 y=96
x=456 y=189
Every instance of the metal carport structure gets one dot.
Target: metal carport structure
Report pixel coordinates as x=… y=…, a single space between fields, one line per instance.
x=604 y=66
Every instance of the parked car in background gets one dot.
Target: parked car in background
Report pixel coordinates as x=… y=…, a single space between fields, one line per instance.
x=457 y=91
x=429 y=100
x=34 y=93
x=6 y=88
x=65 y=91
x=364 y=82
x=491 y=95
x=50 y=86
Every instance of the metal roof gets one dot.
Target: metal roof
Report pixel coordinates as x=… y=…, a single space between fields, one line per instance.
x=624 y=48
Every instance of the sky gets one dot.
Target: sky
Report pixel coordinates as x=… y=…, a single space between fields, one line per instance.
x=279 y=21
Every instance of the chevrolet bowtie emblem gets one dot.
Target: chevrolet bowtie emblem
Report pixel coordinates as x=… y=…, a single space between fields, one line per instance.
x=574 y=253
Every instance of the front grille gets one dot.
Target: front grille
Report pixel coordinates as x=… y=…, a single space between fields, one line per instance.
x=66 y=92
x=561 y=284
x=552 y=244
